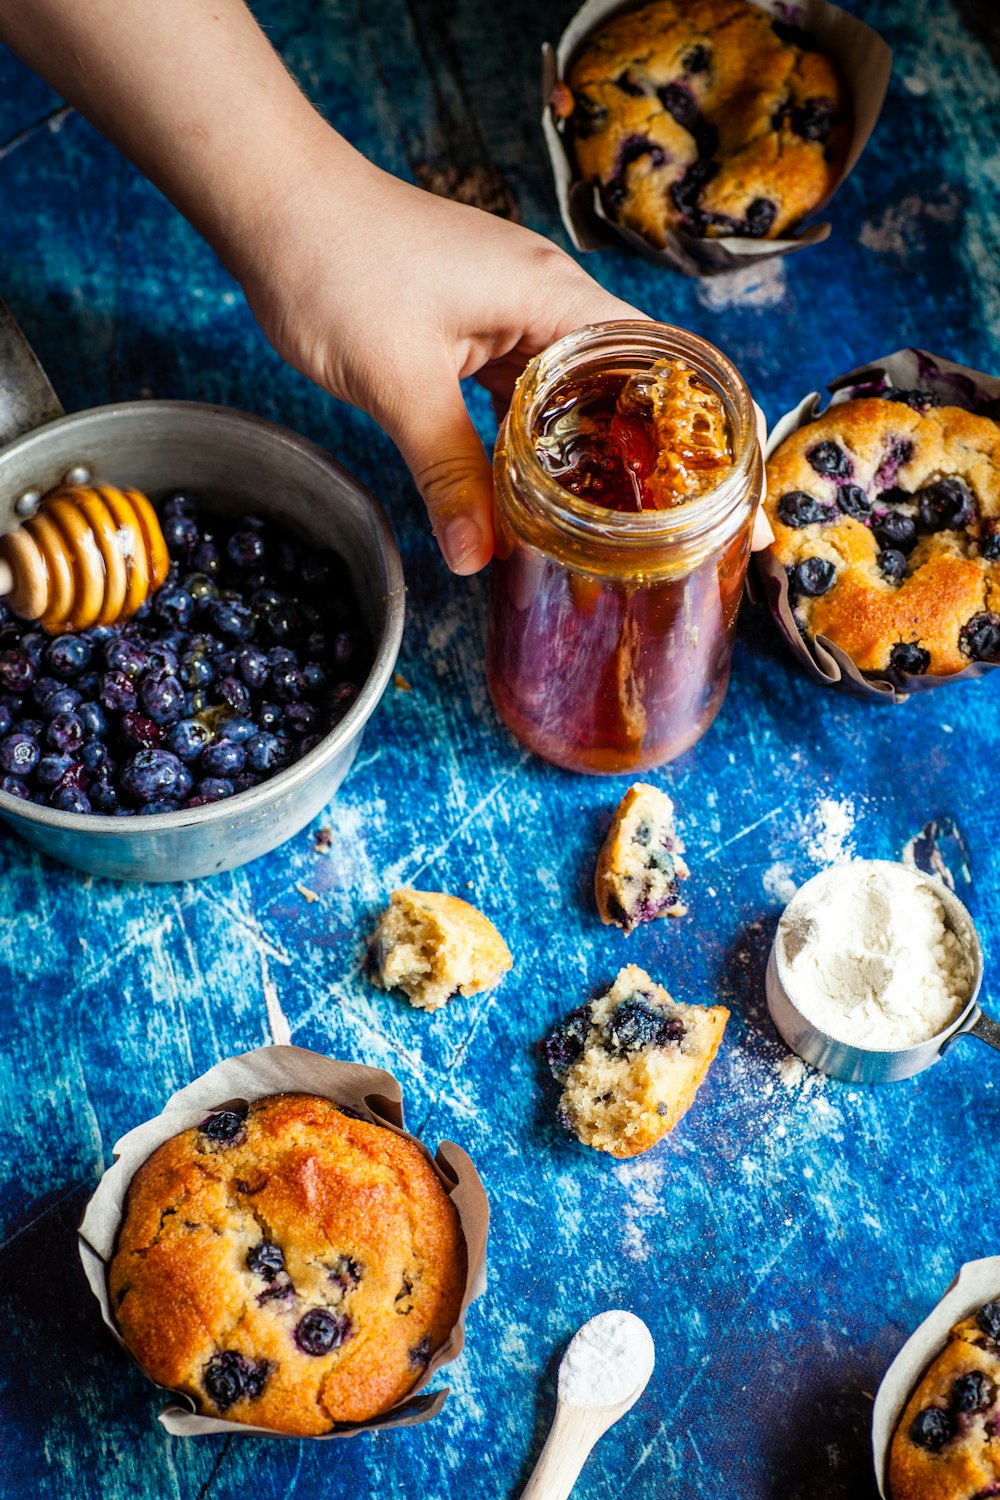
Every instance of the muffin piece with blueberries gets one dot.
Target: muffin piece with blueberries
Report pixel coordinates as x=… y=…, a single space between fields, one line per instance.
x=433 y=947
x=886 y=516
x=630 y=1063
x=640 y=864
x=288 y=1265
x=708 y=116
x=947 y=1444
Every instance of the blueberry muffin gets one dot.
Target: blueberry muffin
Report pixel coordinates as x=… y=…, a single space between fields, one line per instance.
x=886 y=515
x=705 y=116
x=946 y=1446
x=630 y=1063
x=640 y=862
x=433 y=947
x=287 y=1265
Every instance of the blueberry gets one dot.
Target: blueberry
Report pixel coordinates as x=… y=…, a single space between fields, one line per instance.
x=566 y=1041
x=181 y=504
x=226 y=661
x=239 y=730
x=43 y=688
x=320 y=1331
x=207 y=558
x=988 y=1319
x=300 y=718
x=973 y=1392
x=342 y=696
x=628 y=85
x=317 y=643
x=980 y=637
x=632 y=149
x=33 y=728
x=94 y=757
x=229 y=1376
x=122 y=655
x=854 y=502
x=187 y=739
x=897 y=531
x=269 y=715
x=160 y=805
x=51 y=769
x=174 y=607
x=813 y=576
x=6 y=719
x=65 y=733
x=118 y=692
x=214 y=788
x=931 y=1429
x=253 y=667
x=224 y=1125
x=136 y=732
x=907 y=656
x=679 y=102
x=281 y=656
x=264 y=599
x=892 y=564
x=231 y=619
x=796 y=508
x=244 y=781
x=162 y=699
x=284 y=622
x=989 y=543
x=91 y=716
x=813 y=119
x=17 y=671
x=234 y=693
x=62 y=702
x=947 y=505
x=349 y=649
x=33 y=645
x=88 y=685
x=789 y=33
x=14 y=788
x=246 y=548
x=635 y=1024
x=69 y=799
x=309 y=743
x=195 y=669
x=266 y=1259
x=201 y=588
x=103 y=797
x=19 y=753
x=181 y=534
x=149 y=775
x=161 y=658
x=346 y=1272
x=829 y=459
x=223 y=758
x=287 y=682
x=314 y=677
x=760 y=216
x=921 y=401
x=263 y=752
x=588 y=118
x=696 y=59
x=68 y=655
x=420 y=1354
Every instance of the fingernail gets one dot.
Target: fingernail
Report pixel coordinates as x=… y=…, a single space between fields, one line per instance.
x=462 y=537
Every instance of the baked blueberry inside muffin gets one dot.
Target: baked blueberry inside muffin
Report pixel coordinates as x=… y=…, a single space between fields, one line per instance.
x=707 y=117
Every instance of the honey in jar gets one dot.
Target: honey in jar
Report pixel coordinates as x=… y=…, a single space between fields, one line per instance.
x=627 y=476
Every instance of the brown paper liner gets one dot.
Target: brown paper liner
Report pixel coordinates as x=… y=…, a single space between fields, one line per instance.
x=907 y=370
x=375 y=1095
x=865 y=62
x=977 y=1282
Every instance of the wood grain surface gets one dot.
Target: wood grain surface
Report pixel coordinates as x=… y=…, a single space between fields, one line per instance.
x=785 y=1240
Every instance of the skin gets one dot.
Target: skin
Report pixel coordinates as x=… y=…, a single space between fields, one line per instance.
x=383 y=294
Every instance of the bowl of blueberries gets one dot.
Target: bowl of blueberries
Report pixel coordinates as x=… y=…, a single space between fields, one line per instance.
x=218 y=720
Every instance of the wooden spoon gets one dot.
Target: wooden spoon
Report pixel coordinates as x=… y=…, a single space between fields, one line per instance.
x=602 y=1374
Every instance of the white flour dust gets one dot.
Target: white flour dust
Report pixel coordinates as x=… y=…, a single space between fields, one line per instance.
x=830 y=831
x=608 y=1360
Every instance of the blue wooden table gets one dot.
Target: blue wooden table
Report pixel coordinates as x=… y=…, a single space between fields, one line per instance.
x=785 y=1240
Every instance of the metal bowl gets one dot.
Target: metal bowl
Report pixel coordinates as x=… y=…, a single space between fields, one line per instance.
x=235 y=463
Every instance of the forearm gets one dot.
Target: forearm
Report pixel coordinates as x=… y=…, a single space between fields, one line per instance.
x=194 y=94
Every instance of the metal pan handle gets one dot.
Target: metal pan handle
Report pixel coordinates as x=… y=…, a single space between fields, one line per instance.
x=27 y=399
x=986 y=1029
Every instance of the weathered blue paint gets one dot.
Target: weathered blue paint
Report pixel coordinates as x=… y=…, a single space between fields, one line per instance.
x=782 y=1244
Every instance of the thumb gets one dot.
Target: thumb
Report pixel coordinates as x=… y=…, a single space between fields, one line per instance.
x=443 y=452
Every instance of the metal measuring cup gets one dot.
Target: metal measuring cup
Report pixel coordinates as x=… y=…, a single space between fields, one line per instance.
x=867 y=1064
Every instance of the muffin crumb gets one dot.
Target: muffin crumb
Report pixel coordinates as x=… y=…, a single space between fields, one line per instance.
x=433 y=947
x=640 y=864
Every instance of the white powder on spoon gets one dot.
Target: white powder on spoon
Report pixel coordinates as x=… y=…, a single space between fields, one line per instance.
x=608 y=1360
x=868 y=957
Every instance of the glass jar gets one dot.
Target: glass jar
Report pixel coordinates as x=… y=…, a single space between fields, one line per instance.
x=611 y=632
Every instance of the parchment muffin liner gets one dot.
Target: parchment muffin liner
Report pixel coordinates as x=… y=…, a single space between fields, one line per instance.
x=371 y=1093
x=865 y=62
x=977 y=1282
x=907 y=370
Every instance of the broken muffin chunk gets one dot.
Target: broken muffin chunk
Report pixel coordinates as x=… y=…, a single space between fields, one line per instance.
x=640 y=864
x=630 y=1063
x=432 y=947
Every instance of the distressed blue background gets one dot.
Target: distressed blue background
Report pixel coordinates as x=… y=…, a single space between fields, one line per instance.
x=782 y=1244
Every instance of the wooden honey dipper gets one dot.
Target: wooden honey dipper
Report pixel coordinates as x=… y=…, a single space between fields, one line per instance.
x=90 y=555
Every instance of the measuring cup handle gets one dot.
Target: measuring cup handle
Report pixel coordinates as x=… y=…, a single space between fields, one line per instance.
x=986 y=1029
x=27 y=400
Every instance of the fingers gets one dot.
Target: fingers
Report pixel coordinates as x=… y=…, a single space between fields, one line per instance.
x=443 y=452
x=763 y=533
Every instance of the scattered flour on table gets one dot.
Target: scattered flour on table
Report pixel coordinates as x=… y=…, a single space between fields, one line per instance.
x=795 y=1075
x=607 y=1360
x=868 y=956
x=778 y=882
x=830 y=831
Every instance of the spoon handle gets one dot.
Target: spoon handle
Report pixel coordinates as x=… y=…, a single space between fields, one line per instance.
x=573 y=1433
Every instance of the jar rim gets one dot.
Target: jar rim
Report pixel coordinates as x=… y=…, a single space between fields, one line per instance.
x=615 y=344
